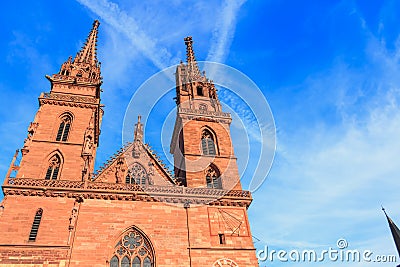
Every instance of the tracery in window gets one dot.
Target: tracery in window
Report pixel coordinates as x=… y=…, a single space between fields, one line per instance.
x=133 y=249
x=64 y=128
x=207 y=143
x=54 y=167
x=213 y=178
x=137 y=175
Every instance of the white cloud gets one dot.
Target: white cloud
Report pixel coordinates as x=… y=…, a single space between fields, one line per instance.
x=331 y=177
x=224 y=30
x=125 y=24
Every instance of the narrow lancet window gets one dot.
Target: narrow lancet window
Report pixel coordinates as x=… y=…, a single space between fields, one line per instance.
x=35 y=225
x=54 y=168
x=207 y=143
x=114 y=262
x=63 y=129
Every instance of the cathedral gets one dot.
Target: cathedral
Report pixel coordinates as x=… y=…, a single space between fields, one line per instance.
x=133 y=211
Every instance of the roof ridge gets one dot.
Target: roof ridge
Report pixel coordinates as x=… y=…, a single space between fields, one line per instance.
x=160 y=162
x=110 y=160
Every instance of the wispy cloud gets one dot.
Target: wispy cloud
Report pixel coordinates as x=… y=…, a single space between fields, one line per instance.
x=224 y=30
x=149 y=41
x=331 y=177
x=125 y=24
x=320 y=194
x=153 y=39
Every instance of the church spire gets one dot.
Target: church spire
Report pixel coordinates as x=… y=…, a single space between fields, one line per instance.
x=395 y=231
x=138 y=135
x=191 y=59
x=85 y=68
x=88 y=53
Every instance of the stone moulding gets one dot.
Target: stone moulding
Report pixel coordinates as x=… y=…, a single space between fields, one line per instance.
x=130 y=192
x=72 y=98
x=74 y=79
x=205 y=112
x=66 y=100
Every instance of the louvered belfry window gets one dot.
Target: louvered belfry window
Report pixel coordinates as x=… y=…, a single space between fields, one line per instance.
x=35 y=225
x=64 y=128
x=207 y=143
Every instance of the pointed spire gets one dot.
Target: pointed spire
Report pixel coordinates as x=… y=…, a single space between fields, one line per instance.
x=395 y=231
x=191 y=59
x=85 y=66
x=138 y=135
x=88 y=53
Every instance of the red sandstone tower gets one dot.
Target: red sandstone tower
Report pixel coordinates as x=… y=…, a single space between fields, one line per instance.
x=201 y=142
x=132 y=211
x=63 y=138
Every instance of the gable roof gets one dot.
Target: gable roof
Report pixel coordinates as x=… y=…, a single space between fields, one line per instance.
x=123 y=151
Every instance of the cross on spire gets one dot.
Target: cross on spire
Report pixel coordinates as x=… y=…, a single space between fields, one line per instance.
x=88 y=53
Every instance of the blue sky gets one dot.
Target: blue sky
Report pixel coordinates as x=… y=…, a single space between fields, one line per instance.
x=329 y=70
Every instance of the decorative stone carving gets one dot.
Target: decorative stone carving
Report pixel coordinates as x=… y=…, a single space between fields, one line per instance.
x=88 y=145
x=136 y=149
x=70 y=98
x=205 y=112
x=28 y=140
x=72 y=218
x=151 y=168
x=122 y=191
x=120 y=170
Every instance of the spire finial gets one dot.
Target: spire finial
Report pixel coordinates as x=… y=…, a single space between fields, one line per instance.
x=191 y=59
x=88 y=53
x=138 y=134
x=384 y=211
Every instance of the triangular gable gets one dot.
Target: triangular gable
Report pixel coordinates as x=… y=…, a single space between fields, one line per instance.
x=116 y=168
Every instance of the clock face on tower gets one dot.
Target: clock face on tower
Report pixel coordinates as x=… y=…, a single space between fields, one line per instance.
x=225 y=263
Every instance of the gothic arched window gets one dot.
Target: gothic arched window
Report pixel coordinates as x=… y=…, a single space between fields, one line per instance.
x=207 y=143
x=35 y=225
x=147 y=262
x=136 y=262
x=64 y=127
x=137 y=175
x=114 y=262
x=133 y=249
x=213 y=178
x=54 y=167
x=125 y=262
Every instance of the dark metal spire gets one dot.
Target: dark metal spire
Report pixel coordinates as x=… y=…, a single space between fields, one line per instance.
x=395 y=231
